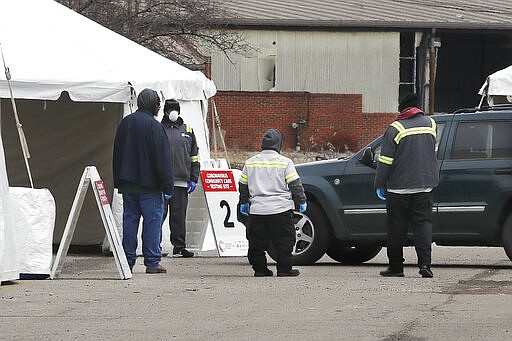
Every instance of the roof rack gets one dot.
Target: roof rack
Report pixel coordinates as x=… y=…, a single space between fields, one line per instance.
x=483 y=108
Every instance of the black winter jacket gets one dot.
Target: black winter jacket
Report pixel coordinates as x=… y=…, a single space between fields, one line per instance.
x=408 y=158
x=184 y=150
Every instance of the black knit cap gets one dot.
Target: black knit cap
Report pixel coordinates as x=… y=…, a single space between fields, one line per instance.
x=272 y=140
x=410 y=100
x=171 y=104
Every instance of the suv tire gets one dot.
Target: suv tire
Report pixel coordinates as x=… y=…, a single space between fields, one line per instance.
x=312 y=236
x=506 y=236
x=352 y=253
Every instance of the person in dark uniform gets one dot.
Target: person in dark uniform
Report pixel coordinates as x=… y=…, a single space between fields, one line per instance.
x=270 y=189
x=185 y=161
x=407 y=172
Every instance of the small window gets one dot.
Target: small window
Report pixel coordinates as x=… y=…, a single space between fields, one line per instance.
x=407 y=67
x=482 y=140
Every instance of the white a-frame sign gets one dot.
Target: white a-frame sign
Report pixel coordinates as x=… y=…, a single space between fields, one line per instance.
x=91 y=176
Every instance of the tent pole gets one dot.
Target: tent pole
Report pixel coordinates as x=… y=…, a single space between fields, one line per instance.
x=23 y=140
x=217 y=119
x=214 y=134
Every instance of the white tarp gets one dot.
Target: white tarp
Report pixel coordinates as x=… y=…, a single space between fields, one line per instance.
x=498 y=83
x=8 y=267
x=34 y=218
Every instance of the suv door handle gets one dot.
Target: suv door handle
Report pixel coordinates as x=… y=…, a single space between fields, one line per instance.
x=503 y=171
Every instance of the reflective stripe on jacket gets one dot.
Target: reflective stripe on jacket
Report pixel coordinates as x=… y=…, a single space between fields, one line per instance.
x=267 y=176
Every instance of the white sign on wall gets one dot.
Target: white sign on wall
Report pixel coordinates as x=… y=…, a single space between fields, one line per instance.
x=222 y=199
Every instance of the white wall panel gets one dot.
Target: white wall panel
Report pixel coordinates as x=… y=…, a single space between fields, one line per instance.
x=319 y=62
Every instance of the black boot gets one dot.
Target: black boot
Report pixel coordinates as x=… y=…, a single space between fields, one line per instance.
x=264 y=273
x=392 y=272
x=425 y=272
x=289 y=273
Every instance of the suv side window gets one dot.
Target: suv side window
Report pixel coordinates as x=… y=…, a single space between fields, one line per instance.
x=482 y=140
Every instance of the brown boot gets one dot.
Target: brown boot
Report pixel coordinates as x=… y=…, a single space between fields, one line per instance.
x=156 y=270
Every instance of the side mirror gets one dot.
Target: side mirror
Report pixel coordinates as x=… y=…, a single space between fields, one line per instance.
x=367 y=158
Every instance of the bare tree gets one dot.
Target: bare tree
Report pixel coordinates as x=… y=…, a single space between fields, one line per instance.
x=172 y=28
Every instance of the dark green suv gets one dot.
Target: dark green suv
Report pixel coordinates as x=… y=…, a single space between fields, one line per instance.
x=472 y=204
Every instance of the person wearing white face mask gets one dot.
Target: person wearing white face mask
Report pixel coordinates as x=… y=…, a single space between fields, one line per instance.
x=185 y=161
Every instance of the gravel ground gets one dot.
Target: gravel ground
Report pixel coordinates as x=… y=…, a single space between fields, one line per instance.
x=212 y=298
x=237 y=158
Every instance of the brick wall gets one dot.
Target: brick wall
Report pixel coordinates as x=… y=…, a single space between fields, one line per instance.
x=333 y=120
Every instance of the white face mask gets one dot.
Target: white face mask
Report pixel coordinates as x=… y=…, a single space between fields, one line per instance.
x=173 y=116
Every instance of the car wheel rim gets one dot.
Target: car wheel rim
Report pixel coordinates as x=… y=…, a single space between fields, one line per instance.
x=304 y=233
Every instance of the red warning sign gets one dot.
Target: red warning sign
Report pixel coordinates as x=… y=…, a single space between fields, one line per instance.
x=218 y=181
x=101 y=192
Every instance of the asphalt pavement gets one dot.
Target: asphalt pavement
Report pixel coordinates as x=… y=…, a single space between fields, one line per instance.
x=212 y=298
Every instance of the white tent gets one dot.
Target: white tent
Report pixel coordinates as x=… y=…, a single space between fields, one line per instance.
x=73 y=81
x=498 y=87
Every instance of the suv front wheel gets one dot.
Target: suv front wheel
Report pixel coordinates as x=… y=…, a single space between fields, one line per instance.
x=506 y=236
x=312 y=236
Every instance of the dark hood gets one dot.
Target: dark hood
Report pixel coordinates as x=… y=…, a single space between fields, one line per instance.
x=147 y=101
x=272 y=140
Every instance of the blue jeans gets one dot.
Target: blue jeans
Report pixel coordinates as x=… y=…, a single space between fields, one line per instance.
x=150 y=206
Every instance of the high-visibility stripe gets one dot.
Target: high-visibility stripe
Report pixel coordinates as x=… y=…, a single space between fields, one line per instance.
x=194 y=158
x=434 y=125
x=403 y=132
x=266 y=164
x=398 y=126
x=414 y=131
x=291 y=177
x=244 y=179
x=386 y=160
x=189 y=129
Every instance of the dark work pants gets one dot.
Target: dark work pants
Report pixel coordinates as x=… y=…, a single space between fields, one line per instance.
x=406 y=211
x=177 y=217
x=275 y=228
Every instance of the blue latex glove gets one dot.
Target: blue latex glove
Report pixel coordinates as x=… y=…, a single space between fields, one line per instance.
x=244 y=209
x=381 y=193
x=167 y=197
x=303 y=207
x=191 y=186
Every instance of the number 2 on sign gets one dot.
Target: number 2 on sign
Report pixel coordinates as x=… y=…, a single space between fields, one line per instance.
x=227 y=223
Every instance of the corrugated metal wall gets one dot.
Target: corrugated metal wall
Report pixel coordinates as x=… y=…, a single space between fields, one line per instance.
x=319 y=62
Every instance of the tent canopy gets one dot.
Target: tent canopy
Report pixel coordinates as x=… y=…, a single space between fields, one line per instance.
x=49 y=49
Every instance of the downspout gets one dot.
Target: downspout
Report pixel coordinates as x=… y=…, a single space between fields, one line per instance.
x=435 y=43
x=432 y=76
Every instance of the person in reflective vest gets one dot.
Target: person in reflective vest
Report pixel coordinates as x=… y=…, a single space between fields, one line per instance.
x=406 y=174
x=270 y=189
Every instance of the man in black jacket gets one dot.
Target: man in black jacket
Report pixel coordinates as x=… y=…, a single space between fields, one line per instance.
x=142 y=172
x=406 y=174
